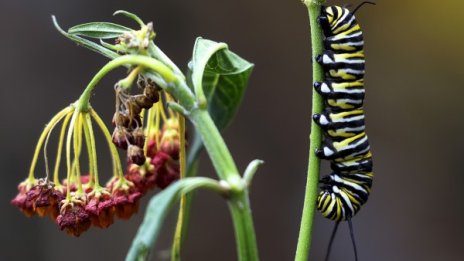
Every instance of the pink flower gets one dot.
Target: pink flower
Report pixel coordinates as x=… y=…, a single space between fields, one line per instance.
x=45 y=199
x=100 y=210
x=126 y=203
x=167 y=169
x=21 y=201
x=74 y=219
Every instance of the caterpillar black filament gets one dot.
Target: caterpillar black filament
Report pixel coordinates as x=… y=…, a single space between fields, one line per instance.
x=345 y=144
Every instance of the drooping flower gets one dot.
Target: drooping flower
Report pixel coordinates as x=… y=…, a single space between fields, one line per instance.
x=73 y=218
x=20 y=200
x=125 y=197
x=45 y=198
x=143 y=177
x=100 y=208
x=167 y=169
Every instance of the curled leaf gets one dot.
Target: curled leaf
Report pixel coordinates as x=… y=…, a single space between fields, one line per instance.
x=222 y=76
x=99 y=30
x=85 y=43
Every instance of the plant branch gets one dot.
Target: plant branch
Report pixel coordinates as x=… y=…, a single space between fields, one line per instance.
x=242 y=219
x=150 y=63
x=305 y=236
x=217 y=149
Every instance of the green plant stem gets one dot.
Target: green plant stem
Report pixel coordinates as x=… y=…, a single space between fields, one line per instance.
x=239 y=207
x=150 y=63
x=306 y=227
x=219 y=153
x=226 y=169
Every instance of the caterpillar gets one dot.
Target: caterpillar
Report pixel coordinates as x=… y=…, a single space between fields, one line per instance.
x=345 y=143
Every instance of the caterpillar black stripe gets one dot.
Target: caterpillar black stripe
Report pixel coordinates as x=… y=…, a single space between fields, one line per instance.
x=345 y=143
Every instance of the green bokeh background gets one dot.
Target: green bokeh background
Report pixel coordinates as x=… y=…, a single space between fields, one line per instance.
x=414 y=109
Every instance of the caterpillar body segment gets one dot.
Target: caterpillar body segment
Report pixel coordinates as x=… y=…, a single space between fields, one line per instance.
x=342 y=195
x=344 y=66
x=349 y=41
x=345 y=149
x=353 y=90
x=362 y=163
x=342 y=124
x=344 y=103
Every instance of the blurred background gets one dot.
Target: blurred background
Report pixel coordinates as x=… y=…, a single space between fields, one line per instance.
x=414 y=110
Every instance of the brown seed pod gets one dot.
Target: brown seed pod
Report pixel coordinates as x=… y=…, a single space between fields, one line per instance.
x=138 y=137
x=143 y=101
x=120 y=119
x=133 y=107
x=135 y=122
x=121 y=137
x=135 y=155
x=141 y=82
x=152 y=93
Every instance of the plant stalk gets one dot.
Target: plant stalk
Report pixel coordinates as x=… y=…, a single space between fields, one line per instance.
x=217 y=149
x=239 y=207
x=226 y=169
x=306 y=227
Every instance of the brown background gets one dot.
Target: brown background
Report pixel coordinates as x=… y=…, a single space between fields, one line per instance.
x=414 y=111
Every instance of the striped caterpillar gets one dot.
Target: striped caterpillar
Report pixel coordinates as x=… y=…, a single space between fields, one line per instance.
x=345 y=143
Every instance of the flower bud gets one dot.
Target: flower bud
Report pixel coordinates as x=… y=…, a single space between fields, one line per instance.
x=167 y=169
x=138 y=137
x=133 y=107
x=120 y=119
x=121 y=137
x=170 y=142
x=143 y=101
x=135 y=155
x=135 y=122
x=152 y=93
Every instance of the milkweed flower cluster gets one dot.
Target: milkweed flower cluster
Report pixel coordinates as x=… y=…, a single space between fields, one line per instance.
x=79 y=201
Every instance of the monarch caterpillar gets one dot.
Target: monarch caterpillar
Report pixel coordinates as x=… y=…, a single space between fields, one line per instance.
x=345 y=143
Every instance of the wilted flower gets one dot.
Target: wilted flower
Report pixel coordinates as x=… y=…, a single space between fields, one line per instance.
x=73 y=218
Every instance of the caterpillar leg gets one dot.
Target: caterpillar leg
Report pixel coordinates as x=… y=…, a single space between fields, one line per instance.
x=323 y=21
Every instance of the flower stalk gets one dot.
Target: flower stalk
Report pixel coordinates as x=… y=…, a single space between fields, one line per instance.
x=306 y=227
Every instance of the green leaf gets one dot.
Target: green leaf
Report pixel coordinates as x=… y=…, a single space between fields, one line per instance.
x=157 y=210
x=221 y=77
x=131 y=16
x=99 y=30
x=85 y=43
